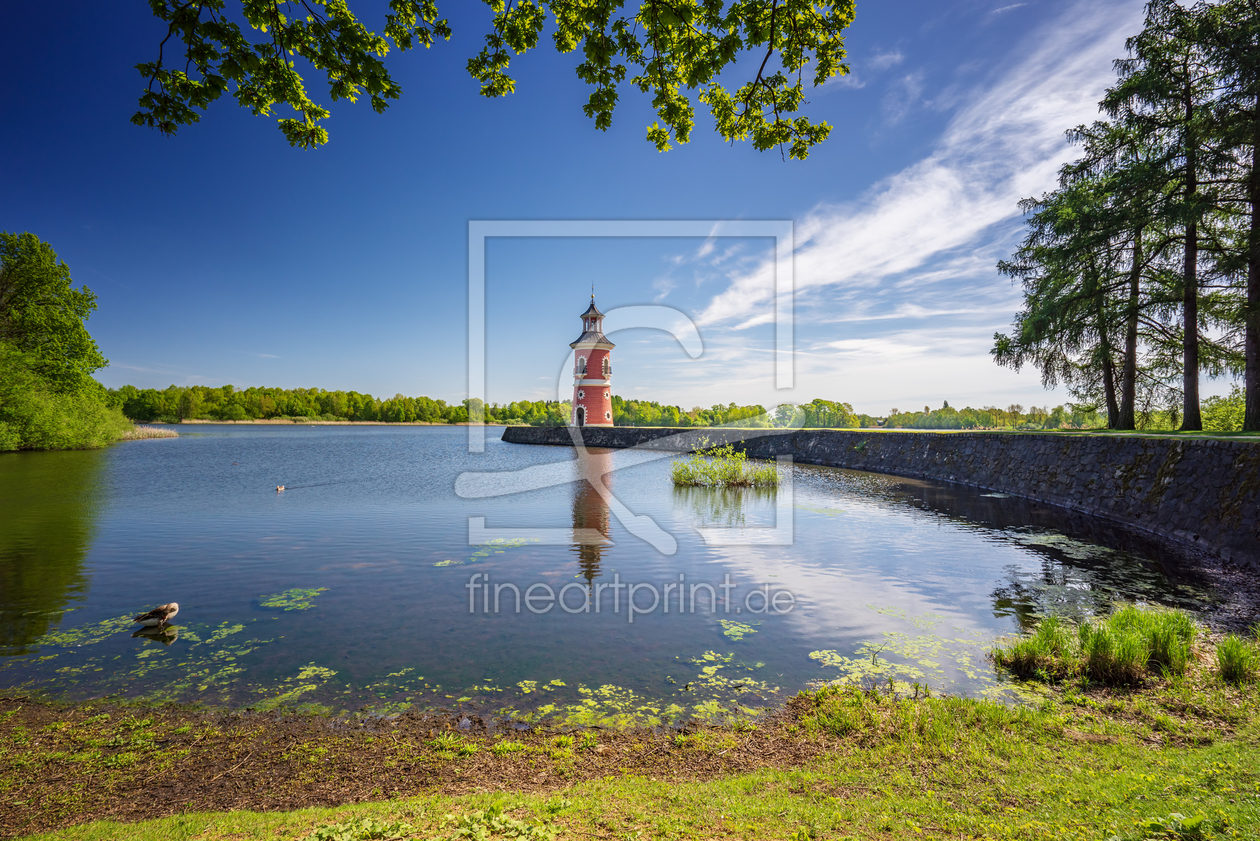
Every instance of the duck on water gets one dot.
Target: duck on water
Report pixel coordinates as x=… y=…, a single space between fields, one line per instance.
x=158 y=616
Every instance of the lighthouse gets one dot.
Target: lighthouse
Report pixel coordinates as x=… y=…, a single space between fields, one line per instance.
x=592 y=372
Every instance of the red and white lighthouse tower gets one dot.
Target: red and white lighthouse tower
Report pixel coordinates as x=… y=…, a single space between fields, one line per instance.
x=592 y=372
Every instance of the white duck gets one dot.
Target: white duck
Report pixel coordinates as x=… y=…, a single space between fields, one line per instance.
x=158 y=616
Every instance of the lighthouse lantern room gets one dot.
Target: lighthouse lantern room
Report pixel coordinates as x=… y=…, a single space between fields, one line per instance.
x=592 y=372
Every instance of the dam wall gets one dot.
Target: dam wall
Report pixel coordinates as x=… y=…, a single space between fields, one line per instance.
x=1202 y=492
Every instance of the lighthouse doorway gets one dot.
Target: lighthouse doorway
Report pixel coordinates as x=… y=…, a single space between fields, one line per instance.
x=581 y=416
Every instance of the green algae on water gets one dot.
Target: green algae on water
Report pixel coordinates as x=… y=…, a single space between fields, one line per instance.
x=736 y=631
x=826 y=512
x=85 y=634
x=495 y=547
x=308 y=679
x=295 y=599
x=931 y=659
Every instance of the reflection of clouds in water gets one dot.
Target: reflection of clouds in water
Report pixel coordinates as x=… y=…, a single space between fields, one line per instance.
x=839 y=616
x=935 y=551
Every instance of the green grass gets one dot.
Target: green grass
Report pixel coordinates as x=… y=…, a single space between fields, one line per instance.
x=1173 y=756
x=505 y=747
x=1130 y=645
x=1238 y=659
x=723 y=467
x=1071 y=766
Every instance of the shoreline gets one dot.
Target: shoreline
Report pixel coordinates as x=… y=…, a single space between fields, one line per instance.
x=869 y=759
x=1253 y=437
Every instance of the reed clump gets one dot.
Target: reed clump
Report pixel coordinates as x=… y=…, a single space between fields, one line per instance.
x=1124 y=648
x=138 y=431
x=723 y=467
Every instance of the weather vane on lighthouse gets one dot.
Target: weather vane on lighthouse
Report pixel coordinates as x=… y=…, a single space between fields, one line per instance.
x=592 y=371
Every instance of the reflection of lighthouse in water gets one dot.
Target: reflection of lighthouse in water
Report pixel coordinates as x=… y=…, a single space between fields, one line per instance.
x=590 y=511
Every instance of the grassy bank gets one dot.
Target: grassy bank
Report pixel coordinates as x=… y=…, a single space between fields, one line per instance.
x=1080 y=761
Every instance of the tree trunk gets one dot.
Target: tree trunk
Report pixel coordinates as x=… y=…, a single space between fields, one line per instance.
x=1191 y=420
x=1251 y=316
x=1190 y=340
x=1109 y=389
x=1108 y=362
x=1128 y=383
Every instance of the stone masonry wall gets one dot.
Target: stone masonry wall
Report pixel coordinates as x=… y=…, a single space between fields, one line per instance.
x=1201 y=492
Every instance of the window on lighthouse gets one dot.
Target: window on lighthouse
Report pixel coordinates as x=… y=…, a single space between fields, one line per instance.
x=581 y=395
x=607 y=367
x=581 y=364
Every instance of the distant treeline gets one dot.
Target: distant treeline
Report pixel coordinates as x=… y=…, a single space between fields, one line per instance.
x=991 y=417
x=178 y=403
x=197 y=402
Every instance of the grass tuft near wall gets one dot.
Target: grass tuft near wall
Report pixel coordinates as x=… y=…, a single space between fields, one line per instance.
x=1122 y=649
x=1238 y=658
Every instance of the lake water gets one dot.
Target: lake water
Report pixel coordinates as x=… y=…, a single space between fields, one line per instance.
x=351 y=589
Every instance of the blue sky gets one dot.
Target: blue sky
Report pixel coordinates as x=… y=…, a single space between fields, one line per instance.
x=225 y=256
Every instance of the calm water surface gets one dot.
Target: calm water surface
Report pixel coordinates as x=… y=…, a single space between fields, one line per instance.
x=350 y=590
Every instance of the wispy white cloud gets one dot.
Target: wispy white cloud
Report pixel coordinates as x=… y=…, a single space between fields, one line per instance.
x=142 y=369
x=879 y=347
x=849 y=80
x=180 y=377
x=882 y=61
x=936 y=216
x=913 y=311
x=872 y=66
x=902 y=97
x=897 y=295
x=663 y=286
x=1000 y=9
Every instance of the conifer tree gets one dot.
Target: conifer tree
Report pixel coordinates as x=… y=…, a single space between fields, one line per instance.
x=1165 y=92
x=1231 y=37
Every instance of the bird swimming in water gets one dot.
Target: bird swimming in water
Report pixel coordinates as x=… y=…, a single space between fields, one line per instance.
x=158 y=616
x=279 y=488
